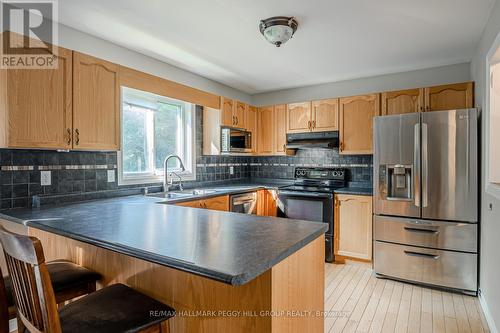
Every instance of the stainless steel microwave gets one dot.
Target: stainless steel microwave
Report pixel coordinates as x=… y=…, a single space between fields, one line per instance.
x=234 y=140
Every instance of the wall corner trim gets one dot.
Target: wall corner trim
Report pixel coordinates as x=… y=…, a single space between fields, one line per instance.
x=487 y=314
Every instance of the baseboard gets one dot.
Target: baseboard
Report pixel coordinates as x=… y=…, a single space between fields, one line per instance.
x=487 y=314
x=12 y=325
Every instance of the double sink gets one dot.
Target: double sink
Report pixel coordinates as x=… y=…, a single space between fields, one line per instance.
x=184 y=194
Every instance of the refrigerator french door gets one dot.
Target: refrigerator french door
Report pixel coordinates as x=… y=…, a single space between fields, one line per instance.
x=426 y=198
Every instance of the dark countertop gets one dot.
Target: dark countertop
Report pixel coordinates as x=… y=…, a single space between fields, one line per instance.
x=228 y=247
x=355 y=190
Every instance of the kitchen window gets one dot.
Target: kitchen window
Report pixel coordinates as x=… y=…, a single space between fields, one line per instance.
x=154 y=127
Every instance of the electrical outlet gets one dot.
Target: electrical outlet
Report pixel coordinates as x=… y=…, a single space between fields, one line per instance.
x=231 y=170
x=111 y=176
x=45 y=178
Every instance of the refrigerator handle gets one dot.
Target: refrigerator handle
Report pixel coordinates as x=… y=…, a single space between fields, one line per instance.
x=425 y=167
x=416 y=164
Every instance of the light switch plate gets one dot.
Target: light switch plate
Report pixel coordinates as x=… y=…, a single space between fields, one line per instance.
x=111 y=176
x=45 y=178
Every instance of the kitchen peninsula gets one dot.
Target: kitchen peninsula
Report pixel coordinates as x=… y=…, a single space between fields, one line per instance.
x=221 y=271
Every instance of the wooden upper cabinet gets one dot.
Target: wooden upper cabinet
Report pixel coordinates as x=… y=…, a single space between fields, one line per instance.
x=355 y=126
x=298 y=117
x=38 y=106
x=251 y=125
x=265 y=124
x=226 y=112
x=449 y=97
x=240 y=112
x=403 y=101
x=96 y=98
x=280 y=129
x=325 y=115
x=353 y=232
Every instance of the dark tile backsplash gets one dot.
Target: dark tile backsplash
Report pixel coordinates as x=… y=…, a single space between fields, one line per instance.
x=83 y=175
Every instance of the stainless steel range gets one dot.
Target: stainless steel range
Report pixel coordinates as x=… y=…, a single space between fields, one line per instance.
x=311 y=198
x=426 y=198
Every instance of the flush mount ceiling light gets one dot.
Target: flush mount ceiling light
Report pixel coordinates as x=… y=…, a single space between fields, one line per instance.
x=278 y=29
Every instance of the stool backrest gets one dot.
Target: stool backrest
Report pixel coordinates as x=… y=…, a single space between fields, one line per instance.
x=33 y=293
x=4 y=307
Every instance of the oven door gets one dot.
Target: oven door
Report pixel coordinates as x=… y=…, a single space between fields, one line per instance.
x=309 y=206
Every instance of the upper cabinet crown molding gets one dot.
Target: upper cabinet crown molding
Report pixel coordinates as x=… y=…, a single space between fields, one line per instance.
x=96 y=103
x=146 y=82
x=355 y=127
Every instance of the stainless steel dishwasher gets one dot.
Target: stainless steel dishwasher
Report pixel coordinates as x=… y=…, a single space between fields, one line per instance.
x=244 y=203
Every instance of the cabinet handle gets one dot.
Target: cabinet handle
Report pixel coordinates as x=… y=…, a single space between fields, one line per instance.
x=314 y=124
x=341 y=146
x=284 y=147
x=77 y=141
x=421 y=108
x=236 y=120
x=69 y=136
x=309 y=124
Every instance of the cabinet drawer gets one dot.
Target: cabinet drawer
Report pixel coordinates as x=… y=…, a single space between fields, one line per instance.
x=440 y=235
x=435 y=267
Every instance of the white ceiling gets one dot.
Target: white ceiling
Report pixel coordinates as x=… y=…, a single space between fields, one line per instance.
x=336 y=39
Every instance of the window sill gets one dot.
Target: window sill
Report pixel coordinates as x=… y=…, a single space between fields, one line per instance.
x=493 y=190
x=151 y=180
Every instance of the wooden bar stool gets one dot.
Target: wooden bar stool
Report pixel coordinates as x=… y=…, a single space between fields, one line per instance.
x=116 y=308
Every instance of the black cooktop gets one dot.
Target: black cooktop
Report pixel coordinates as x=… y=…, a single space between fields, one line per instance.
x=317 y=180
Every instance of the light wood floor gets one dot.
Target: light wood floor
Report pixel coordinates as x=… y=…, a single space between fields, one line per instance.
x=360 y=302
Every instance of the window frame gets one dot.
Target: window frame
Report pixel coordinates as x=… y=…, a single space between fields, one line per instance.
x=189 y=144
x=492 y=59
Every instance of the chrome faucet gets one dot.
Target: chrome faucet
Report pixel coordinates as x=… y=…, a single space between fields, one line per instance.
x=166 y=184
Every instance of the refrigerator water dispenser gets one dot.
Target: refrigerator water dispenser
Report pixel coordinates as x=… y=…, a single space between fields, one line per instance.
x=399 y=180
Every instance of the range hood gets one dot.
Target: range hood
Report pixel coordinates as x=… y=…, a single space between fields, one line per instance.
x=313 y=140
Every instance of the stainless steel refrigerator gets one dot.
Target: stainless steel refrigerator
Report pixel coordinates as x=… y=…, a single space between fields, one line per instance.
x=425 y=225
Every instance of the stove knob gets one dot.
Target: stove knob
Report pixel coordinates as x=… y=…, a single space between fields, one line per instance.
x=335 y=173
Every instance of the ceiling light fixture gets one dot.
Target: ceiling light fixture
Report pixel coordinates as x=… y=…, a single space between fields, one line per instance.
x=278 y=29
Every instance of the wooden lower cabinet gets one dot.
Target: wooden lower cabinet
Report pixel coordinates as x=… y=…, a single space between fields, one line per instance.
x=266 y=203
x=353 y=227
x=217 y=203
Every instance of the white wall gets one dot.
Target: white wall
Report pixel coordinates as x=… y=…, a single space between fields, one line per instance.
x=490 y=219
x=85 y=43
x=413 y=79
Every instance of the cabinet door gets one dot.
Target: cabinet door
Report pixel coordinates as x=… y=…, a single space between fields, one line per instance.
x=354 y=226
x=96 y=98
x=192 y=204
x=280 y=129
x=226 y=112
x=40 y=105
x=218 y=203
x=251 y=125
x=298 y=117
x=356 y=128
x=449 y=97
x=403 y=101
x=266 y=130
x=239 y=114
x=325 y=115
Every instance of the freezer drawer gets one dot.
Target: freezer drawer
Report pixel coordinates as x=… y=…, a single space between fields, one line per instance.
x=450 y=269
x=434 y=234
